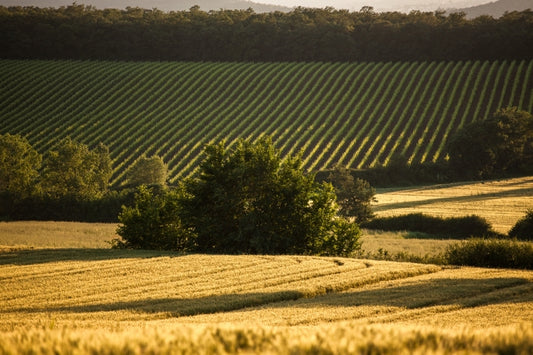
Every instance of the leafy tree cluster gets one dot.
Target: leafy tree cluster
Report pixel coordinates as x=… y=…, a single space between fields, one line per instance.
x=246 y=199
x=502 y=144
x=83 y=32
x=70 y=169
x=70 y=182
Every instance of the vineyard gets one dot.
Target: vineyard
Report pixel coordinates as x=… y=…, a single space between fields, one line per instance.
x=354 y=114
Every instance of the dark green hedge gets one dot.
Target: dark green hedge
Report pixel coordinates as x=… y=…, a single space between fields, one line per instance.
x=453 y=227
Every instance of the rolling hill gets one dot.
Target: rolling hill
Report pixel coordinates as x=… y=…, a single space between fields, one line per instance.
x=107 y=301
x=496 y=8
x=354 y=114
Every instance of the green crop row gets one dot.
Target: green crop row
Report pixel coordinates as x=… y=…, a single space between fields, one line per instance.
x=354 y=114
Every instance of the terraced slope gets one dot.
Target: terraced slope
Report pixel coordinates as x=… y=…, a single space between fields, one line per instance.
x=355 y=114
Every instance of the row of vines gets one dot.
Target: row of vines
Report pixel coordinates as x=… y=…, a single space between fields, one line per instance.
x=354 y=114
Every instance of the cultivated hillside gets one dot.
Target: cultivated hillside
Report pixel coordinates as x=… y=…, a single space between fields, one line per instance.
x=355 y=114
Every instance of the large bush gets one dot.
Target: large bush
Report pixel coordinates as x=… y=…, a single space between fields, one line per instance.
x=453 y=227
x=502 y=253
x=354 y=195
x=244 y=200
x=523 y=229
x=153 y=222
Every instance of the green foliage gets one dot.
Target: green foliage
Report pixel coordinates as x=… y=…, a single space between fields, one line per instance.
x=302 y=34
x=148 y=171
x=354 y=195
x=346 y=114
x=249 y=200
x=153 y=222
x=501 y=253
x=452 y=227
x=523 y=229
x=19 y=165
x=494 y=146
x=71 y=169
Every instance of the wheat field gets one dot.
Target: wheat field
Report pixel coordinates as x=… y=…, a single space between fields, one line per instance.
x=111 y=301
x=64 y=291
x=501 y=202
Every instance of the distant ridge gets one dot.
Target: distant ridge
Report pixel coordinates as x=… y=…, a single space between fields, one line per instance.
x=163 y=5
x=496 y=9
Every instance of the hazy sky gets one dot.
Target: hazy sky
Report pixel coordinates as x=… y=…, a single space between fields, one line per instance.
x=353 y=5
x=380 y=5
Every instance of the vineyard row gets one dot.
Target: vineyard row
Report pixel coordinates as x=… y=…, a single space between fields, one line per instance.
x=355 y=114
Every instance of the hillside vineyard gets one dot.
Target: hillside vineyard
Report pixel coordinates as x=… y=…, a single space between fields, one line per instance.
x=354 y=114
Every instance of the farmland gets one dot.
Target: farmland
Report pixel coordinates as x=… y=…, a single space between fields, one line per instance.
x=87 y=301
x=500 y=202
x=355 y=114
x=63 y=290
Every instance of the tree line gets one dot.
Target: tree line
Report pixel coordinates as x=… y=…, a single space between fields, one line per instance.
x=71 y=181
x=83 y=32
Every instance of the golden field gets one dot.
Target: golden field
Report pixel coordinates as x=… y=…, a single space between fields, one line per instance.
x=501 y=202
x=111 y=301
x=64 y=291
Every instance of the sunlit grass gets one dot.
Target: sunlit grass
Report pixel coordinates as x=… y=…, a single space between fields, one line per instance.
x=64 y=291
x=47 y=234
x=116 y=301
x=501 y=202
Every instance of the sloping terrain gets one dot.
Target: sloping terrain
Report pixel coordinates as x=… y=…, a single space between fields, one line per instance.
x=107 y=301
x=355 y=114
x=102 y=287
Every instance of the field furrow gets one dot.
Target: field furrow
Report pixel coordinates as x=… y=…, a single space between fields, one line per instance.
x=354 y=114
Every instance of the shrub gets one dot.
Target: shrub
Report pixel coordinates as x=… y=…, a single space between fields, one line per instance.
x=453 y=227
x=501 y=253
x=523 y=229
x=153 y=222
x=249 y=200
x=244 y=200
x=354 y=195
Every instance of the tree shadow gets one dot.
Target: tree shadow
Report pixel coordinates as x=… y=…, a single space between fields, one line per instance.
x=413 y=294
x=42 y=256
x=176 y=307
x=465 y=292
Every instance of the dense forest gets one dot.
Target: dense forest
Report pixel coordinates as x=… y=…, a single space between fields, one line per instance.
x=83 y=32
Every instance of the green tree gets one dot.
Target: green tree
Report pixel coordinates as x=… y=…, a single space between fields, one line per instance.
x=148 y=171
x=354 y=195
x=19 y=165
x=153 y=222
x=73 y=170
x=249 y=200
x=523 y=229
x=502 y=143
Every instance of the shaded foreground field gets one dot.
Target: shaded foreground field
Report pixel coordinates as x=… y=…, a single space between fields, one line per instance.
x=94 y=300
x=501 y=202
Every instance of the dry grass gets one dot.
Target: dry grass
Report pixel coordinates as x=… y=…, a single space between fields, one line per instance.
x=413 y=243
x=501 y=202
x=33 y=234
x=62 y=293
x=111 y=301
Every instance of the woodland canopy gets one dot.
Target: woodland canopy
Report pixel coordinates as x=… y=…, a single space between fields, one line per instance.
x=84 y=32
